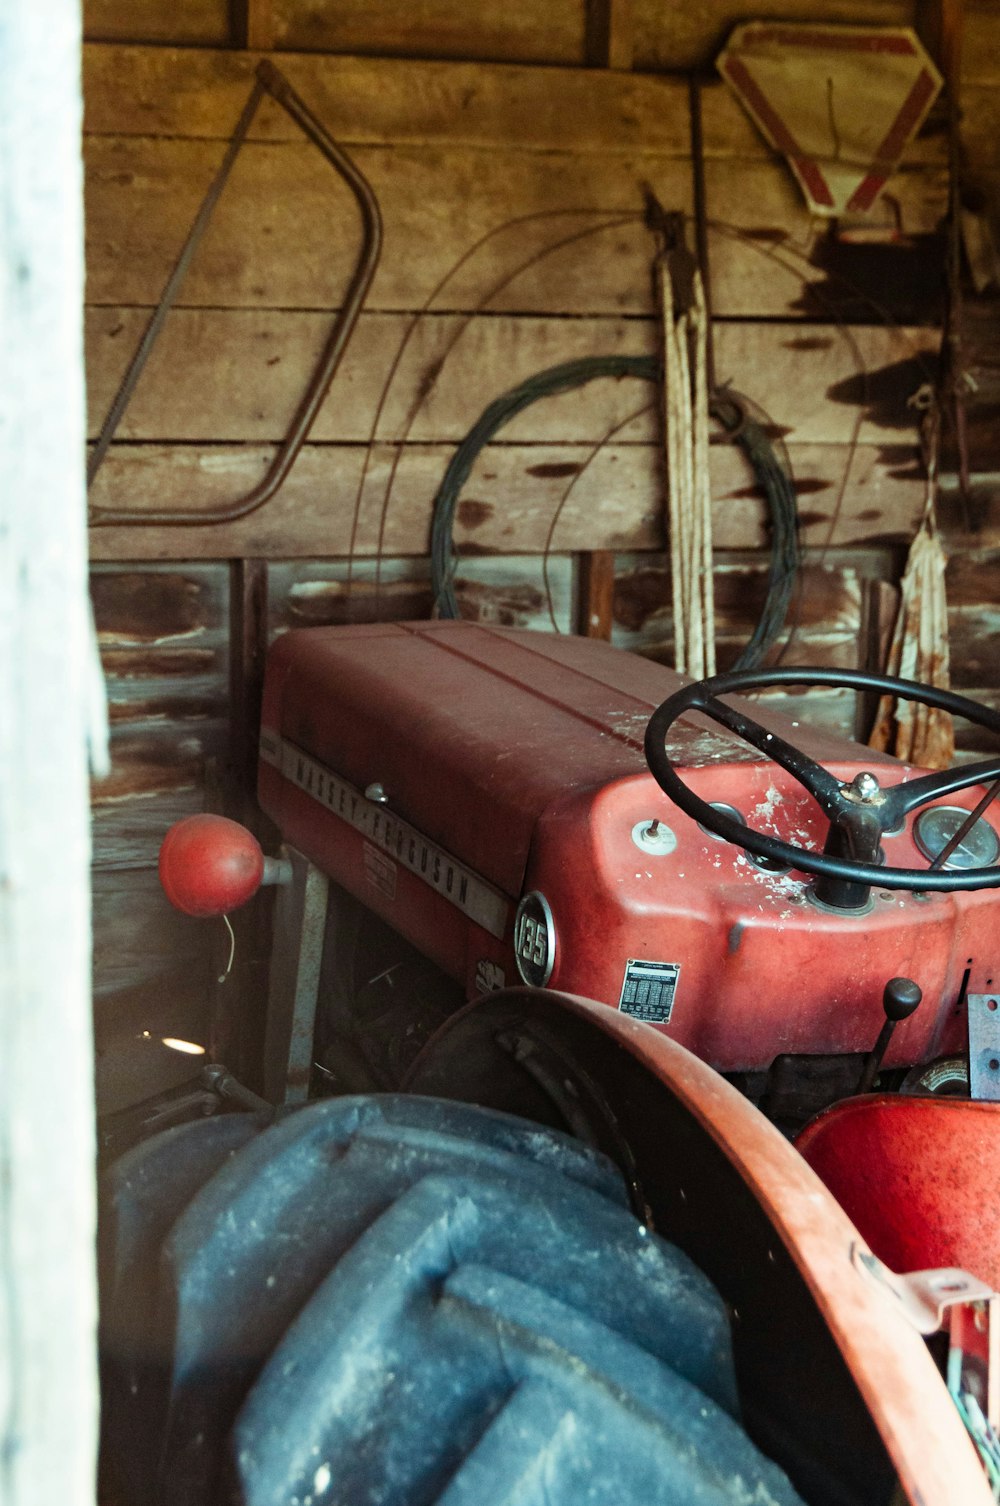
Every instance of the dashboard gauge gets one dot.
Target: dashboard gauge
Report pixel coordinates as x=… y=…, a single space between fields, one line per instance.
x=724 y=810
x=935 y=827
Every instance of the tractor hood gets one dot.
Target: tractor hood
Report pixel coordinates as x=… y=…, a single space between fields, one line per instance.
x=475 y=732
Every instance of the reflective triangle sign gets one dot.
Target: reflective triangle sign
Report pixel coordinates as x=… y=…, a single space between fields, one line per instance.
x=841 y=102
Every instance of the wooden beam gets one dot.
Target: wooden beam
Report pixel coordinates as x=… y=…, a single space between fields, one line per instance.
x=596 y=594
x=609 y=38
x=508 y=31
x=940 y=24
x=235 y=375
x=48 y=1310
x=506 y=507
x=179 y=23
x=199 y=92
x=285 y=231
x=260 y=29
x=248 y=650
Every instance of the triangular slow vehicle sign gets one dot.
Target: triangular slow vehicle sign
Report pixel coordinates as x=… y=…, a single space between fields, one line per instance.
x=841 y=102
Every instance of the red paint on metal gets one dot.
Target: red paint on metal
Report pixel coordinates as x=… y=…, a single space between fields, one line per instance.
x=520 y=754
x=895 y=140
x=843 y=40
x=210 y=865
x=807 y=170
x=917 y=1175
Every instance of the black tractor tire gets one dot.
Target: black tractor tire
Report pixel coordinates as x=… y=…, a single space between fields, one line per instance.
x=392 y=1301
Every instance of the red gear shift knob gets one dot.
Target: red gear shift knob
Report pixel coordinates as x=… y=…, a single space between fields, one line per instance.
x=210 y=865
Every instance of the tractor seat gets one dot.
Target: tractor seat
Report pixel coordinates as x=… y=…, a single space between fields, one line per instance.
x=918 y=1177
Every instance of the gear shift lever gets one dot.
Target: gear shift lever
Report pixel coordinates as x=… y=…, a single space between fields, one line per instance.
x=900 y=998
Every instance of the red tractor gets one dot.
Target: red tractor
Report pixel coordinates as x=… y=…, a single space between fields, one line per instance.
x=732 y=979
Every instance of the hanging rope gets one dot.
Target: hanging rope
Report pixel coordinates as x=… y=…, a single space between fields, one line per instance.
x=689 y=495
x=919 y=647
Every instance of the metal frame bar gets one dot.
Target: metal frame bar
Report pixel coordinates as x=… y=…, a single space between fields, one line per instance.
x=293 y=994
x=268 y=80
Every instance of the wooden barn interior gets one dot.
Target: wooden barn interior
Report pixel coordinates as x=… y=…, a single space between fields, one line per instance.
x=534 y=166
x=511 y=149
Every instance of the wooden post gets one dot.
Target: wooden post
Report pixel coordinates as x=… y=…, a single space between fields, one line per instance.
x=609 y=39
x=940 y=25
x=595 y=594
x=248 y=650
x=48 y=1382
x=238 y=1026
x=255 y=25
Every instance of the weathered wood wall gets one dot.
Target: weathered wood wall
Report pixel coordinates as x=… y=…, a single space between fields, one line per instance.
x=512 y=191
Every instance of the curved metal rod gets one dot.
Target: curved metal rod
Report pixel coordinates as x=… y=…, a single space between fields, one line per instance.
x=272 y=81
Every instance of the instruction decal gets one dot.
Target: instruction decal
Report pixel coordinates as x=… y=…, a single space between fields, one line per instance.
x=648 y=990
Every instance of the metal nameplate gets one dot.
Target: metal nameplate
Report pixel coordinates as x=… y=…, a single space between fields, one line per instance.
x=477 y=899
x=648 y=990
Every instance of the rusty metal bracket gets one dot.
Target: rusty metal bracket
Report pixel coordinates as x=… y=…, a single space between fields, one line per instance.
x=925 y=1297
x=268 y=80
x=969 y=1310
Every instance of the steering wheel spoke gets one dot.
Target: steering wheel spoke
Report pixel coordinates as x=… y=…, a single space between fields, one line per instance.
x=820 y=783
x=903 y=798
x=849 y=865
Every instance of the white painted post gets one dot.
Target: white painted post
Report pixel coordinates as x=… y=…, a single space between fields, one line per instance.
x=48 y=1388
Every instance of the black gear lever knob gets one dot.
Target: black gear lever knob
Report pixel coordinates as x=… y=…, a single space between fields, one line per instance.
x=900 y=998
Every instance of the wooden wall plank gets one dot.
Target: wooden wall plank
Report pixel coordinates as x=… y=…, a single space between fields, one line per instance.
x=286 y=230
x=164 y=91
x=237 y=375
x=981 y=125
x=174 y=92
x=555 y=242
x=138 y=936
x=826 y=614
x=557 y=245
x=673 y=38
x=513 y=591
x=506 y=30
x=505 y=508
x=691 y=36
x=981 y=43
x=202 y=23
x=438 y=194
x=163 y=633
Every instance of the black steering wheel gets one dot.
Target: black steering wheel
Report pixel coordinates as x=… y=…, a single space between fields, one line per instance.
x=860 y=813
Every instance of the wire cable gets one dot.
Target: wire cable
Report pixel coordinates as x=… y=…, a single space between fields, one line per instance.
x=729 y=408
